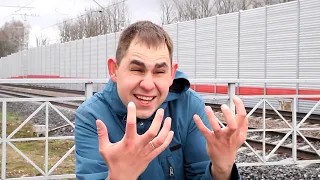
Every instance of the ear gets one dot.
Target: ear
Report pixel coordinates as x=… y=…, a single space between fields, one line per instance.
x=112 y=68
x=173 y=71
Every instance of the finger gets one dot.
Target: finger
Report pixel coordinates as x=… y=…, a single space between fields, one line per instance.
x=154 y=128
x=230 y=119
x=241 y=112
x=102 y=134
x=158 y=150
x=213 y=120
x=160 y=139
x=240 y=109
x=203 y=129
x=131 y=129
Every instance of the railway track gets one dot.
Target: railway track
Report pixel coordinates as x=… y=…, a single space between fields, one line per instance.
x=272 y=137
x=31 y=94
x=44 y=88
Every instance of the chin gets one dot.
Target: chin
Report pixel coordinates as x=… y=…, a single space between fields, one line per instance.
x=144 y=115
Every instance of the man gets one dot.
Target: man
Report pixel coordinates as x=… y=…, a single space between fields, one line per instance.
x=120 y=133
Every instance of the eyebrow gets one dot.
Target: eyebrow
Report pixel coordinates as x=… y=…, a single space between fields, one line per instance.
x=157 y=65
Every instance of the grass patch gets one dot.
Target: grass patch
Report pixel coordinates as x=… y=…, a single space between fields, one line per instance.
x=17 y=166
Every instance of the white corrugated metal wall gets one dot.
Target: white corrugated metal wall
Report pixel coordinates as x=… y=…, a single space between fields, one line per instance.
x=279 y=41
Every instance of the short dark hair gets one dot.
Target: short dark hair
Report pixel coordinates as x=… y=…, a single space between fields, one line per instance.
x=147 y=32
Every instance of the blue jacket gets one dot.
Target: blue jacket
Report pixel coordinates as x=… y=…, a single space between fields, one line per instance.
x=185 y=158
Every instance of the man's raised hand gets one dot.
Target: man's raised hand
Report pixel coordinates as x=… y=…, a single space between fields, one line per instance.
x=223 y=143
x=128 y=158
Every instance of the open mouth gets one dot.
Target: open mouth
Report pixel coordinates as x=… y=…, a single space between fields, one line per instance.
x=144 y=99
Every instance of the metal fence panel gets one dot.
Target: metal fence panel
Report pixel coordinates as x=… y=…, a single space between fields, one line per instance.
x=309 y=49
x=2 y=73
x=62 y=59
x=17 y=65
x=67 y=60
x=102 y=59
x=252 y=45
x=86 y=57
x=7 y=64
x=13 y=65
x=111 y=45
x=73 y=58
x=309 y=52
x=117 y=37
x=43 y=60
x=48 y=60
x=205 y=47
x=52 y=48
x=227 y=46
x=282 y=42
x=172 y=31
x=39 y=61
x=93 y=57
x=186 y=48
x=80 y=62
x=57 y=59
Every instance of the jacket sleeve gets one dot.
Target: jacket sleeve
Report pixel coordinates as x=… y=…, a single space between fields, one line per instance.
x=89 y=163
x=197 y=162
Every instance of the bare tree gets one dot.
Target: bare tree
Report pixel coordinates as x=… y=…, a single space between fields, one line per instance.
x=257 y=3
x=185 y=10
x=95 y=21
x=12 y=37
x=42 y=40
x=225 y=6
x=245 y=4
x=65 y=31
x=206 y=8
x=168 y=12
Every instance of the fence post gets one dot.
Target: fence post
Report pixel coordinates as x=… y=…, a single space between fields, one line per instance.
x=231 y=93
x=294 y=132
x=4 y=140
x=88 y=89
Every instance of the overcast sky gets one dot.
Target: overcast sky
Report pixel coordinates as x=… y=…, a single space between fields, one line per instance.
x=50 y=12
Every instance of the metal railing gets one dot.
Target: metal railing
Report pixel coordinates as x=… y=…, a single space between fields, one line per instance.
x=294 y=127
x=293 y=130
x=45 y=103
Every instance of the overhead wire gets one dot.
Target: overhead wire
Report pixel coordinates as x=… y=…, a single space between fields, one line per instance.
x=120 y=1
x=20 y=8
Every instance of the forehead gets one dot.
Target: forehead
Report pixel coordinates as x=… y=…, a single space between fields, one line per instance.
x=148 y=54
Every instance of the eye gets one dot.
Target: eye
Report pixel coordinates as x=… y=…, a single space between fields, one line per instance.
x=138 y=70
x=160 y=72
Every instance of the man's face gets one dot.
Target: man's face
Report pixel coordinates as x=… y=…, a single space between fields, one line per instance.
x=144 y=77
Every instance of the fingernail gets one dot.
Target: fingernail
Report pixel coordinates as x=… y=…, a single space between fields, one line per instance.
x=207 y=108
x=224 y=106
x=97 y=123
x=131 y=104
x=161 y=111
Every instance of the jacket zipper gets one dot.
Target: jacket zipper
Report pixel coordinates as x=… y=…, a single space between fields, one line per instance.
x=171 y=165
x=171 y=171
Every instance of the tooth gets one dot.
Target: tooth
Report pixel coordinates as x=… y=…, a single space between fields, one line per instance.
x=145 y=98
x=145 y=102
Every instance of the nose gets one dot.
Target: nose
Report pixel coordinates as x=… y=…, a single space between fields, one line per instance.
x=147 y=83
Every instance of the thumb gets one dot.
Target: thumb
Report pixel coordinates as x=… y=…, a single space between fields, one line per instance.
x=102 y=134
